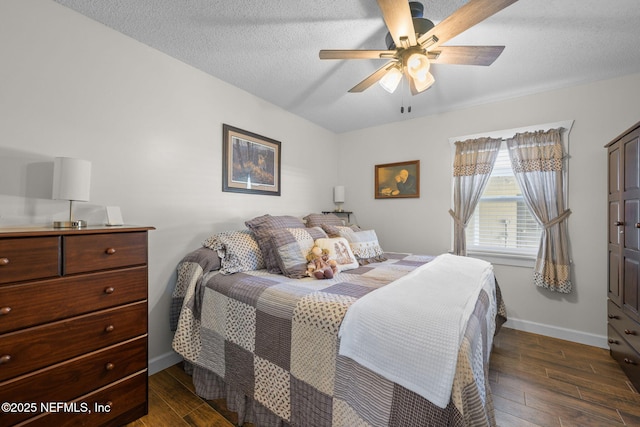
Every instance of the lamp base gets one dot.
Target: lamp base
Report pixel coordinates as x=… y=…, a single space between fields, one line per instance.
x=78 y=223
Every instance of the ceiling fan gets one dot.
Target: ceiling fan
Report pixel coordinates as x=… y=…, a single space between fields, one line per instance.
x=414 y=43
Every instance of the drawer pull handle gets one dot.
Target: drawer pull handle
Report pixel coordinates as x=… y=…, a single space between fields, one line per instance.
x=109 y=328
x=612 y=341
x=109 y=366
x=5 y=310
x=110 y=251
x=5 y=358
x=629 y=332
x=629 y=361
x=637 y=224
x=109 y=290
x=4 y=261
x=613 y=316
x=618 y=223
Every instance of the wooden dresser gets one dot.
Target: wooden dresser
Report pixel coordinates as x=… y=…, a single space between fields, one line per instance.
x=73 y=325
x=624 y=252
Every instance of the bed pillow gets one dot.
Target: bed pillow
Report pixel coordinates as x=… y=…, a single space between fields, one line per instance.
x=334 y=230
x=318 y=220
x=260 y=227
x=206 y=257
x=238 y=251
x=364 y=243
x=340 y=251
x=291 y=247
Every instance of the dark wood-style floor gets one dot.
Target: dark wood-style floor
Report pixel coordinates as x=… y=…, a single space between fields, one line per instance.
x=535 y=380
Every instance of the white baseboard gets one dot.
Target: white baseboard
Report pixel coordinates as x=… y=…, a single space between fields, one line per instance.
x=163 y=361
x=557 y=332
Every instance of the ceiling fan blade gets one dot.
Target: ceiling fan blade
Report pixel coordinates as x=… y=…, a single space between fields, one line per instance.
x=397 y=16
x=472 y=13
x=373 y=78
x=357 y=54
x=465 y=55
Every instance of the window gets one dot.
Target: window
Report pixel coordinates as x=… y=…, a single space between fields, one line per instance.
x=502 y=230
x=502 y=223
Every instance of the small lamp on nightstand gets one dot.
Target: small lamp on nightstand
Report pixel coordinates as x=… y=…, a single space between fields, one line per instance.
x=338 y=197
x=71 y=181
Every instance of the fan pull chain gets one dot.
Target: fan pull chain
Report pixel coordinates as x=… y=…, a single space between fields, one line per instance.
x=402 y=106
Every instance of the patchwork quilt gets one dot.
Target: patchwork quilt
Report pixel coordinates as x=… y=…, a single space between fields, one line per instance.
x=269 y=345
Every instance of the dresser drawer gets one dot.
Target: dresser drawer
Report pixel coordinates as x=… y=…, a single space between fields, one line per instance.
x=34 y=303
x=92 y=252
x=40 y=346
x=127 y=400
x=29 y=258
x=627 y=357
x=69 y=380
x=625 y=326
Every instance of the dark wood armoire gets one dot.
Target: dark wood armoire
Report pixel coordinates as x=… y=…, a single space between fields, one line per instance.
x=624 y=251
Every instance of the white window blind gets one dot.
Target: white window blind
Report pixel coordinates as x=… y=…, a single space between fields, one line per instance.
x=502 y=222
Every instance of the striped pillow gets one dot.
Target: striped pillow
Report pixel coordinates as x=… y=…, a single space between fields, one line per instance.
x=261 y=227
x=291 y=247
x=318 y=220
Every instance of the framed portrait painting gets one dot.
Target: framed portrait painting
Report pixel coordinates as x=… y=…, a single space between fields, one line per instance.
x=397 y=180
x=251 y=162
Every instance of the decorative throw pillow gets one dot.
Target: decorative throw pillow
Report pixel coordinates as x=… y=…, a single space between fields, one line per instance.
x=318 y=220
x=238 y=251
x=206 y=257
x=260 y=226
x=291 y=246
x=340 y=251
x=364 y=243
x=334 y=230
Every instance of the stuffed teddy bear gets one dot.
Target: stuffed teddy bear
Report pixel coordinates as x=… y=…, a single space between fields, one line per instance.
x=320 y=266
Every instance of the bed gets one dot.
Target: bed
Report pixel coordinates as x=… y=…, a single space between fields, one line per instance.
x=255 y=330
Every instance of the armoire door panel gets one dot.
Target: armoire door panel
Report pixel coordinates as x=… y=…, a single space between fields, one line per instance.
x=631 y=165
x=615 y=178
x=631 y=220
x=630 y=289
x=614 y=291
x=615 y=223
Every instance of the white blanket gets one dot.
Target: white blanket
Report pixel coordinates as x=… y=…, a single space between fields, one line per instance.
x=410 y=330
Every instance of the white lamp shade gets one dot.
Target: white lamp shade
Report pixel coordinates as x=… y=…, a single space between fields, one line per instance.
x=338 y=194
x=418 y=65
x=391 y=80
x=424 y=83
x=71 y=179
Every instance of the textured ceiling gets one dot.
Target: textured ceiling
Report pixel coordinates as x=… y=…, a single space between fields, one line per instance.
x=270 y=49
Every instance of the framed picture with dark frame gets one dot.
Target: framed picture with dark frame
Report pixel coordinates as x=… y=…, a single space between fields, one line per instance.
x=250 y=162
x=397 y=180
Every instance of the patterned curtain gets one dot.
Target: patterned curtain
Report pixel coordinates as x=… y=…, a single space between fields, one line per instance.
x=537 y=160
x=472 y=166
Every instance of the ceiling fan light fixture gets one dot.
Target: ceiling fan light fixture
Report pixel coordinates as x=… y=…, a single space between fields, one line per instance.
x=419 y=45
x=418 y=65
x=391 y=80
x=424 y=83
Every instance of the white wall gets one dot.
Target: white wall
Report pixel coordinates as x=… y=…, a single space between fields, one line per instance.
x=152 y=128
x=601 y=111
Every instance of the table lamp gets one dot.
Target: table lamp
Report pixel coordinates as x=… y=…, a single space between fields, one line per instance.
x=338 y=197
x=71 y=181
